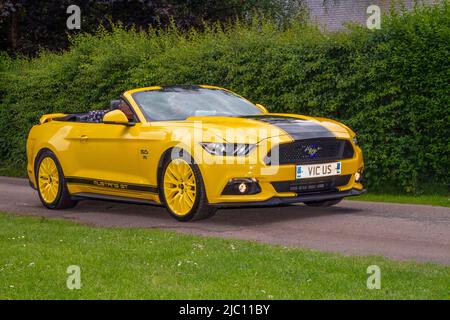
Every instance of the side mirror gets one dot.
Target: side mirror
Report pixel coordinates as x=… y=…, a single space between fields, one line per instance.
x=117 y=117
x=262 y=108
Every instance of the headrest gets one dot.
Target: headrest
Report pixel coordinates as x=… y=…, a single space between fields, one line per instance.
x=114 y=104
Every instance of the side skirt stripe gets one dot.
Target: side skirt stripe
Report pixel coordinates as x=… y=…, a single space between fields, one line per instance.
x=113 y=184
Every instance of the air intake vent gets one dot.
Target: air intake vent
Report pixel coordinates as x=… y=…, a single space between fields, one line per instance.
x=312 y=185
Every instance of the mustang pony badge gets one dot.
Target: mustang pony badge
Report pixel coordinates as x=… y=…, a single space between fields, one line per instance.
x=312 y=150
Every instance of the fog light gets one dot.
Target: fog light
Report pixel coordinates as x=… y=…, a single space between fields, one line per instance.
x=357 y=176
x=242 y=187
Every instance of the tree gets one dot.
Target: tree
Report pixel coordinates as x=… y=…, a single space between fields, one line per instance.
x=26 y=26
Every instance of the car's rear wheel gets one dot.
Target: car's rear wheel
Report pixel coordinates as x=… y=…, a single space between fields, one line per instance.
x=182 y=190
x=51 y=183
x=325 y=203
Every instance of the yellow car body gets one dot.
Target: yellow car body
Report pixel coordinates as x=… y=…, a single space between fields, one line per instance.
x=114 y=160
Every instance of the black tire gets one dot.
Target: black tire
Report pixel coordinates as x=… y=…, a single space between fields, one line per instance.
x=201 y=208
x=325 y=203
x=63 y=199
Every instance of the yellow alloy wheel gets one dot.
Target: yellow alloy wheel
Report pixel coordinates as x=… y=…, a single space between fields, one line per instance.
x=48 y=178
x=180 y=187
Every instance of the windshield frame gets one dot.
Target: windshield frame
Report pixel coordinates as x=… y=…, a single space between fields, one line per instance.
x=148 y=117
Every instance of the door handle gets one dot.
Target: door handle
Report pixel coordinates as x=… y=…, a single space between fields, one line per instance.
x=84 y=138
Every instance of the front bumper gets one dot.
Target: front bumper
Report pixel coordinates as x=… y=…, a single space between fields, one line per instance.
x=275 y=181
x=272 y=185
x=297 y=199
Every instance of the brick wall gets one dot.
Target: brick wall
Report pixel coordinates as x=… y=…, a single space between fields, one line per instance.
x=332 y=14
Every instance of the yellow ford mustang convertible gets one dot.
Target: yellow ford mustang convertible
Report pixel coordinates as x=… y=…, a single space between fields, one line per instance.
x=192 y=149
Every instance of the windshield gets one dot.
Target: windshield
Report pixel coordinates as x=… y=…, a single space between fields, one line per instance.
x=174 y=103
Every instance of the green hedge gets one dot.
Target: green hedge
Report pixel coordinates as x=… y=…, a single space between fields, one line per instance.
x=391 y=86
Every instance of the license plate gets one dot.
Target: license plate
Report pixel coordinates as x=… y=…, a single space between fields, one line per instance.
x=317 y=170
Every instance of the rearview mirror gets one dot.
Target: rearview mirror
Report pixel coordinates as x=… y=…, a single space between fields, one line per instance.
x=262 y=108
x=117 y=117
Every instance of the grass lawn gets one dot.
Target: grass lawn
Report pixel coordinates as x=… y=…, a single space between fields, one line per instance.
x=155 y=264
x=435 y=200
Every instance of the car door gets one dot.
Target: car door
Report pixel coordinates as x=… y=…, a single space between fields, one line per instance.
x=110 y=151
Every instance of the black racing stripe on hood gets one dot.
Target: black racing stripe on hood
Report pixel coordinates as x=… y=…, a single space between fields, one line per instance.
x=298 y=129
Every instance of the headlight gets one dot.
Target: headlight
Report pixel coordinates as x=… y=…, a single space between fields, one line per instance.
x=355 y=141
x=227 y=149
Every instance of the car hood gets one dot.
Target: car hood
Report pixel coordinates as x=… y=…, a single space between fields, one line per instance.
x=286 y=127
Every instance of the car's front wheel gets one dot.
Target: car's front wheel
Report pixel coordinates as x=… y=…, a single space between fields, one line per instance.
x=182 y=190
x=51 y=184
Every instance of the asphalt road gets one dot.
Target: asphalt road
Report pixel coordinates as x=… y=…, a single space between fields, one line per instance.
x=397 y=231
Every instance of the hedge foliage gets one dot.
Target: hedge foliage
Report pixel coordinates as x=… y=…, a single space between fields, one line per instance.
x=392 y=86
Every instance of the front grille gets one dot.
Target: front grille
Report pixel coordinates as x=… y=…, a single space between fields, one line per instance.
x=310 y=151
x=322 y=184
